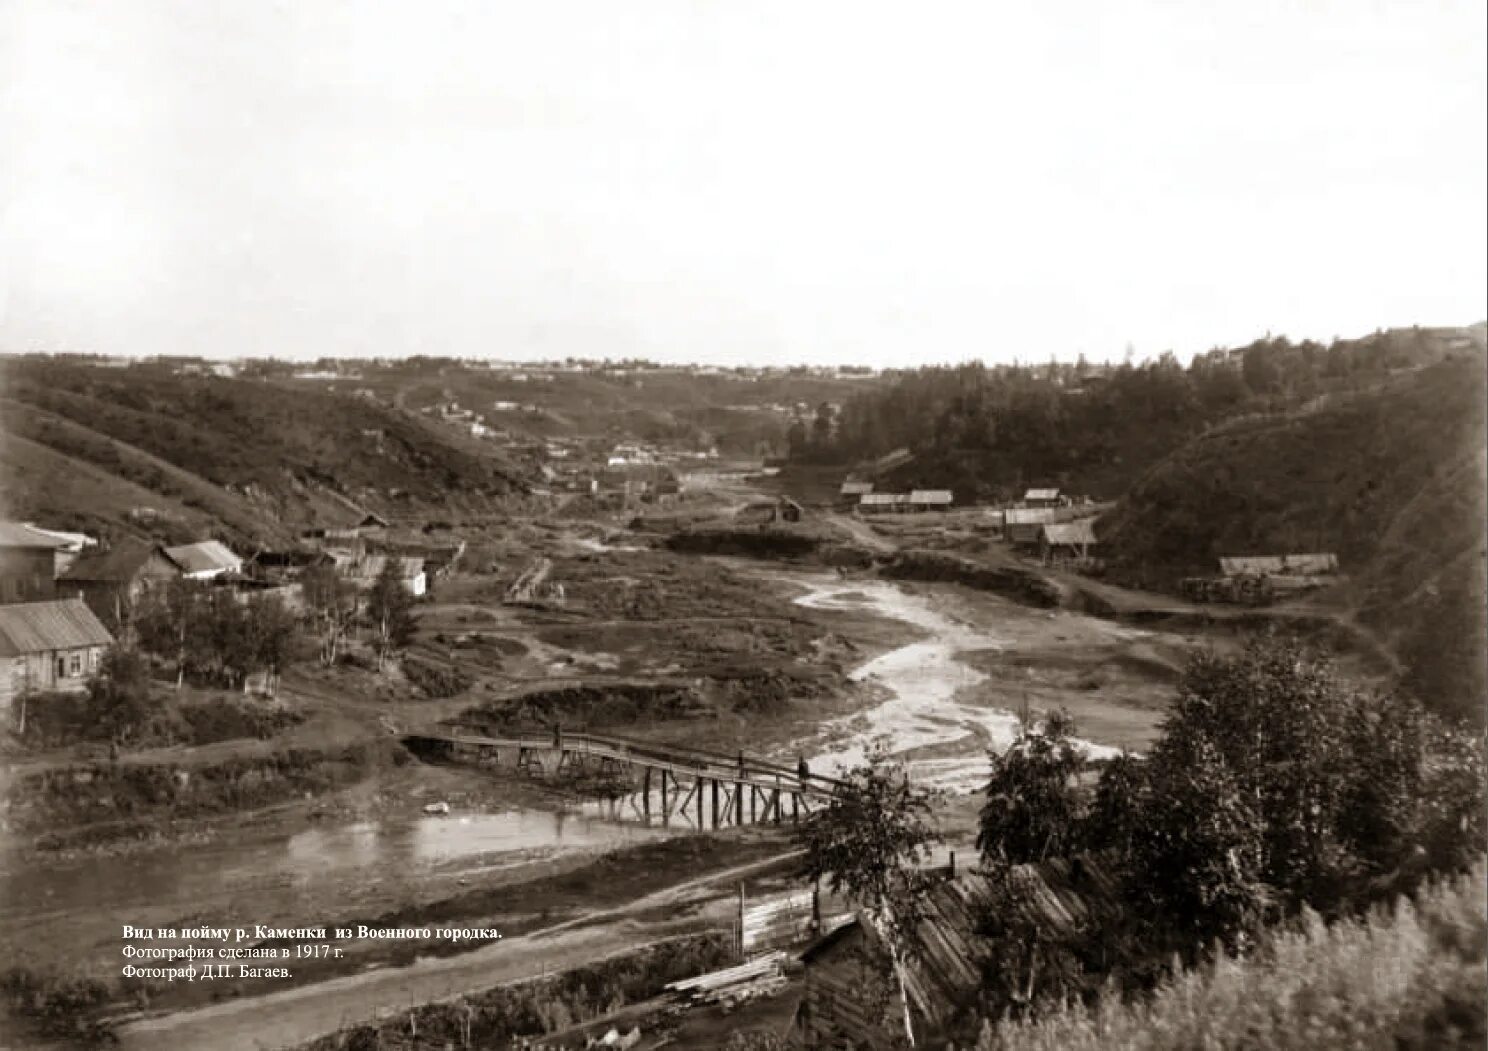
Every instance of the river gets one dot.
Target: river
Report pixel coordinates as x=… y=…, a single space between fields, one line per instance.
x=72 y=908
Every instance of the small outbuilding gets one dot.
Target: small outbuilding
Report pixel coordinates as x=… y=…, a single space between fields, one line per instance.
x=1043 y=498
x=1067 y=542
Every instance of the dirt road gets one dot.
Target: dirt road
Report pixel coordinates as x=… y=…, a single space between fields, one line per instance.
x=295 y=1016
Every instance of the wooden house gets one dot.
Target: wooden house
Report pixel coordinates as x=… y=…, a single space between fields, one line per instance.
x=54 y=645
x=851 y=999
x=113 y=581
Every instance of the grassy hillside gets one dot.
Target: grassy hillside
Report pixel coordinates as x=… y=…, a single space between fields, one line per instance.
x=258 y=459
x=1402 y=980
x=1390 y=478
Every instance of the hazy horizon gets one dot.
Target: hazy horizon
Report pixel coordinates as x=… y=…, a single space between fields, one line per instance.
x=821 y=183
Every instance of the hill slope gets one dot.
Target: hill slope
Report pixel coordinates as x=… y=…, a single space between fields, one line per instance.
x=258 y=459
x=1390 y=478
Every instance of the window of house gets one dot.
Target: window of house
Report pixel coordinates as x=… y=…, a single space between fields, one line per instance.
x=76 y=666
x=61 y=668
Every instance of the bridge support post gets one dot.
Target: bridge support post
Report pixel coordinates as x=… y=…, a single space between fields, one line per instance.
x=646 y=793
x=715 y=802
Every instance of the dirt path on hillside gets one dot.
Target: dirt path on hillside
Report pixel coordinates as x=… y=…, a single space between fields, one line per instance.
x=862 y=532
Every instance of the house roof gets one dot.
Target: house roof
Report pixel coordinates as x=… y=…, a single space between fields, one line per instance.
x=1075 y=534
x=1028 y=515
x=20 y=534
x=944 y=962
x=1326 y=562
x=882 y=499
x=856 y=488
x=1041 y=494
x=36 y=627
x=121 y=562
x=931 y=496
x=206 y=556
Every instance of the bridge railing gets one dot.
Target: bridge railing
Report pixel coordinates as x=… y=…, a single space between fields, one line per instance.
x=701 y=762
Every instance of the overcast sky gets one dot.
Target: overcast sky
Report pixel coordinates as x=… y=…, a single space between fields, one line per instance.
x=736 y=181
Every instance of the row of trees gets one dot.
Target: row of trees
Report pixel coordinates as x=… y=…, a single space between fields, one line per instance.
x=335 y=607
x=1275 y=788
x=986 y=430
x=209 y=636
x=212 y=637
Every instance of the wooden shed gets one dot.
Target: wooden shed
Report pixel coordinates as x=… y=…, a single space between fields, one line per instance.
x=1068 y=542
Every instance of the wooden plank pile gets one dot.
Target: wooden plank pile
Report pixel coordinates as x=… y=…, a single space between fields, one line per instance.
x=762 y=976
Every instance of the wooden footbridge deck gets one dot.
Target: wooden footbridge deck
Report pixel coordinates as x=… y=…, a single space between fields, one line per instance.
x=726 y=789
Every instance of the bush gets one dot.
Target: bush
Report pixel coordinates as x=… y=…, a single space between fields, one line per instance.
x=435 y=680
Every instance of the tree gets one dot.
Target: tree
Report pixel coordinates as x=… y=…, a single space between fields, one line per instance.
x=870 y=843
x=796 y=438
x=390 y=609
x=271 y=634
x=1277 y=786
x=167 y=625
x=1034 y=806
x=332 y=605
x=823 y=426
x=119 y=695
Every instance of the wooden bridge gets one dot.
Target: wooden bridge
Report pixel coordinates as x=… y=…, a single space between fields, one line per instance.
x=708 y=787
